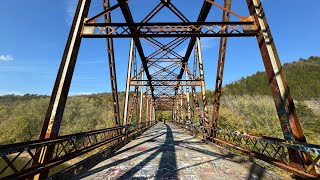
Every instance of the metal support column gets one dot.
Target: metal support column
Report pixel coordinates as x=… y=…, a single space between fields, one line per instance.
x=177 y=108
x=112 y=66
x=126 y=104
x=188 y=114
x=141 y=99
x=147 y=109
x=135 y=94
x=172 y=115
x=181 y=106
x=154 y=114
x=203 y=87
x=220 y=67
x=151 y=112
x=52 y=122
x=278 y=84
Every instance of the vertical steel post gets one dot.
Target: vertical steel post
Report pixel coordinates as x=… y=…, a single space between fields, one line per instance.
x=134 y=102
x=154 y=113
x=126 y=104
x=52 y=122
x=151 y=112
x=177 y=108
x=172 y=115
x=147 y=110
x=141 y=98
x=188 y=115
x=278 y=84
x=203 y=87
x=112 y=67
x=220 y=68
x=181 y=105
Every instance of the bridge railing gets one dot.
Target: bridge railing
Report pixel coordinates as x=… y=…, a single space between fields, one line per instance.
x=272 y=150
x=65 y=148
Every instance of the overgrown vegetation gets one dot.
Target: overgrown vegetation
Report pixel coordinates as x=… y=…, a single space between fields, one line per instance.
x=246 y=107
x=303 y=79
x=248 y=101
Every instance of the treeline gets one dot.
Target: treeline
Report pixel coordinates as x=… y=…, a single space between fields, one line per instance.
x=246 y=106
x=302 y=75
x=21 y=117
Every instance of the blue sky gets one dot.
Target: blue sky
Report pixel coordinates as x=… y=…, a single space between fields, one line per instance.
x=33 y=34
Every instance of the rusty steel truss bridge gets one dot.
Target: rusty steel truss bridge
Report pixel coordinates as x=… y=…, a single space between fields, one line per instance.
x=165 y=80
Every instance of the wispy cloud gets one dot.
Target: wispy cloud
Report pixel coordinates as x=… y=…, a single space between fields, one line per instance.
x=7 y=57
x=6 y=92
x=71 y=6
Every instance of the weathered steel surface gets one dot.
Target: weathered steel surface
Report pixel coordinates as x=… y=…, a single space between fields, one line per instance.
x=289 y=120
x=165 y=87
x=64 y=148
x=112 y=66
x=220 y=67
x=165 y=30
x=52 y=122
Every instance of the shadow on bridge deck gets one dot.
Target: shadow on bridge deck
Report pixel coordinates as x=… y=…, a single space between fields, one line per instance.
x=166 y=152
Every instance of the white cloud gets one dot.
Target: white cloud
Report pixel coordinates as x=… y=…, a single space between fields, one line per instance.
x=6 y=57
x=4 y=92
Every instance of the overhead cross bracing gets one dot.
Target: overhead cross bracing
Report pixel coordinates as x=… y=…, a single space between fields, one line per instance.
x=165 y=65
x=165 y=72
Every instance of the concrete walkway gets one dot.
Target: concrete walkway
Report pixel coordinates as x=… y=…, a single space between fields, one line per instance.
x=167 y=152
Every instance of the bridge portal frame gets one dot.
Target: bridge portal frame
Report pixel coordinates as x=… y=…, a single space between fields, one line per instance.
x=258 y=27
x=248 y=26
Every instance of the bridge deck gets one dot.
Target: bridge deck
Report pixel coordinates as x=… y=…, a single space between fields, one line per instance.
x=167 y=152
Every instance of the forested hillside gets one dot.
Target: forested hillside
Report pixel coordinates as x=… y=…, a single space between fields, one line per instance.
x=246 y=106
x=303 y=78
x=248 y=101
x=21 y=117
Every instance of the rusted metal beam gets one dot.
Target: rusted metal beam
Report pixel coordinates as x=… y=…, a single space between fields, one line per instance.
x=181 y=105
x=135 y=93
x=112 y=66
x=128 y=17
x=198 y=55
x=205 y=9
x=205 y=29
x=220 y=67
x=167 y=83
x=75 y=145
x=141 y=99
x=126 y=103
x=188 y=114
x=289 y=120
x=52 y=122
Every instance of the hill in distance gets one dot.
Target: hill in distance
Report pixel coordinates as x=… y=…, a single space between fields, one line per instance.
x=303 y=78
x=247 y=102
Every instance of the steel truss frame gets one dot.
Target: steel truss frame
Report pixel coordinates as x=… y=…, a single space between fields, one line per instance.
x=64 y=148
x=166 y=89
